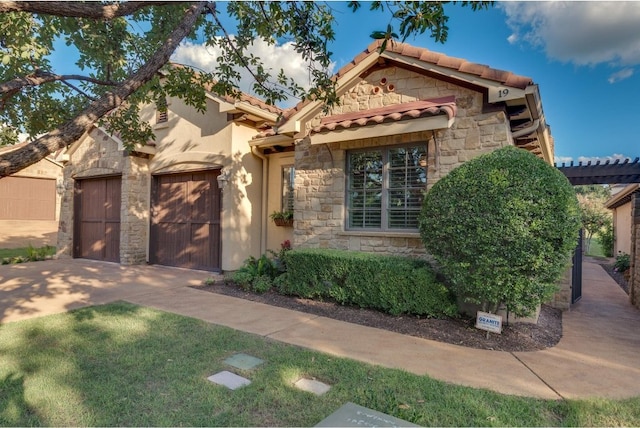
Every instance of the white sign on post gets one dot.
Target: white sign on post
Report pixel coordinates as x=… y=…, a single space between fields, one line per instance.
x=489 y=322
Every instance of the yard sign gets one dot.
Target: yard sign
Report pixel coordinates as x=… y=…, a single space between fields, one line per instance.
x=489 y=322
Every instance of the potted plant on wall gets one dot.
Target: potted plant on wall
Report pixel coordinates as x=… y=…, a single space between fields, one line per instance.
x=282 y=218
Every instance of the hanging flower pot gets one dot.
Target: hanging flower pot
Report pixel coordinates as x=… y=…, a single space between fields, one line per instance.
x=282 y=218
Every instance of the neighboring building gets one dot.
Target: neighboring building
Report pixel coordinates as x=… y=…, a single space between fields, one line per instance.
x=31 y=194
x=201 y=196
x=620 y=205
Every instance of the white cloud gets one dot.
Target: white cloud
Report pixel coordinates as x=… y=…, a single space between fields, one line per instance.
x=583 y=33
x=562 y=159
x=602 y=159
x=625 y=73
x=559 y=160
x=274 y=57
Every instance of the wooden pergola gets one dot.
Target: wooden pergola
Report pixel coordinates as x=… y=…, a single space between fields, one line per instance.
x=625 y=171
x=616 y=172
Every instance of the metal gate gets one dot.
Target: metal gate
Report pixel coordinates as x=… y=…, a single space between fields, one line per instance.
x=576 y=275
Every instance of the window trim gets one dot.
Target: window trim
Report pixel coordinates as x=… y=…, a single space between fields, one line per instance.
x=385 y=187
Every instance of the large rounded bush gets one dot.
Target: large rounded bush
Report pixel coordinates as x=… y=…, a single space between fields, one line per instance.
x=502 y=227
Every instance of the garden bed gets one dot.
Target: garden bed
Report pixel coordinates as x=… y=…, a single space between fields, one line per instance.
x=460 y=331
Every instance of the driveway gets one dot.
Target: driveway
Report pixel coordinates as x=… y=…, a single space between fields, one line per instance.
x=21 y=233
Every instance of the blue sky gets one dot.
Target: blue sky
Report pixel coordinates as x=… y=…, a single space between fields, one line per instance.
x=585 y=57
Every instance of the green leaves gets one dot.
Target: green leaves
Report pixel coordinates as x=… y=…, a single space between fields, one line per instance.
x=502 y=227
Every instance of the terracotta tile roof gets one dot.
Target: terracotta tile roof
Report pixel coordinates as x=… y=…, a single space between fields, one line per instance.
x=506 y=78
x=393 y=113
x=249 y=99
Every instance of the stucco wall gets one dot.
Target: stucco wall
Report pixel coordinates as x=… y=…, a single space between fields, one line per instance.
x=277 y=234
x=622 y=222
x=320 y=169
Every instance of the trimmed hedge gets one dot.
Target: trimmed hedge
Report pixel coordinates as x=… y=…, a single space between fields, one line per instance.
x=502 y=227
x=394 y=285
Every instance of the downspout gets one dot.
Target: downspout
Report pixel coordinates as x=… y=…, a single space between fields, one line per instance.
x=263 y=207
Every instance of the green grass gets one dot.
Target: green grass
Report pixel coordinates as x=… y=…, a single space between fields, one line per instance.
x=121 y=364
x=595 y=250
x=27 y=252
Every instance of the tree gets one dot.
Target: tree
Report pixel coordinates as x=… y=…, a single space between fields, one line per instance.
x=122 y=47
x=502 y=228
x=595 y=217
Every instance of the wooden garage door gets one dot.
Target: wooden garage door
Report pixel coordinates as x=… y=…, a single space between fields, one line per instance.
x=185 y=220
x=24 y=198
x=97 y=219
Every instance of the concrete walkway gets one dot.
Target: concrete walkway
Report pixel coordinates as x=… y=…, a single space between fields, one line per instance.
x=597 y=356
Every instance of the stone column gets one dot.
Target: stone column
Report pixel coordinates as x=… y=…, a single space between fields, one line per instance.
x=634 y=280
x=134 y=216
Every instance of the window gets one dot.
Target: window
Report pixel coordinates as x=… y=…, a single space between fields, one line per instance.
x=162 y=111
x=288 y=175
x=385 y=187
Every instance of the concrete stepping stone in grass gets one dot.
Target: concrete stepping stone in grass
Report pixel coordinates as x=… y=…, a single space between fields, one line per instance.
x=243 y=361
x=352 y=415
x=313 y=386
x=230 y=380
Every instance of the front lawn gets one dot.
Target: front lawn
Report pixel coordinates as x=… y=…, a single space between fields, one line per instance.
x=122 y=364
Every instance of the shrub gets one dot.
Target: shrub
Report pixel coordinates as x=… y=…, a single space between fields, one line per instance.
x=502 y=228
x=258 y=274
x=606 y=238
x=622 y=263
x=392 y=284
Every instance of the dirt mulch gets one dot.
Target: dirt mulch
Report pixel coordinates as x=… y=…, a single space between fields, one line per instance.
x=459 y=331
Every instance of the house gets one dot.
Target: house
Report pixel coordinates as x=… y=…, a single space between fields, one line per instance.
x=31 y=193
x=620 y=205
x=201 y=195
x=30 y=204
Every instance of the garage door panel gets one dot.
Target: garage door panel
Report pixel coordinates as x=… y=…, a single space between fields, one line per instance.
x=112 y=200
x=201 y=199
x=112 y=242
x=97 y=216
x=200 y=245
x=168 y=251
x=173 y=207
x=185 y=226
x=93 y=242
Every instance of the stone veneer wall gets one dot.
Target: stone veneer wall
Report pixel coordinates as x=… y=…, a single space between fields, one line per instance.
x=634 y=279
x=320 y=169
x=135 y=206
x=101 y=156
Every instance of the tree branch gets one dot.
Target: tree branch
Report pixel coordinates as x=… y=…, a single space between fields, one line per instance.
x=17 y=158
x=79 y=10
x=41 y=77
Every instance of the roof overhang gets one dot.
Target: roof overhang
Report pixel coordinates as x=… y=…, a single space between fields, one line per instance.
x=272 y=141
x=622 y=197
x=383 y=129
x=251 y=112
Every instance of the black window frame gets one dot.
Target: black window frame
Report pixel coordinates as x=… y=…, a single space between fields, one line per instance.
x=385 y=188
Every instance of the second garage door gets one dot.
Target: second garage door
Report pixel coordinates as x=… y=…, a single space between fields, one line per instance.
x=185 y=220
